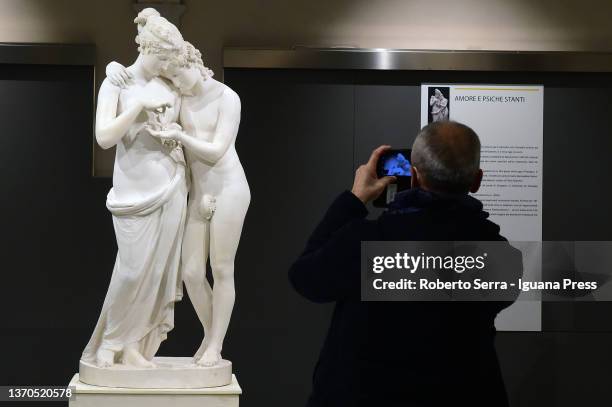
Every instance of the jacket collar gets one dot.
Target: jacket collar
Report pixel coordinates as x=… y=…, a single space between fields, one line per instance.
x=415 y=199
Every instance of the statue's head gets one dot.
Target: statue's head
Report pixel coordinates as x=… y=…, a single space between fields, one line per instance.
x=187 y=68
x=159 y=41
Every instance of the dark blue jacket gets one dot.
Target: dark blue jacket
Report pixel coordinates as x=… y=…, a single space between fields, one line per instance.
x=399 y=353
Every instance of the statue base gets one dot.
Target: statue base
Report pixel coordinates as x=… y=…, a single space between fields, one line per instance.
x=85 y=395
x=169 y=373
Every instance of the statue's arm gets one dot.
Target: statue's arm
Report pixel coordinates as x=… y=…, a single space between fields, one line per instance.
x=227 y=129
x=110 y=128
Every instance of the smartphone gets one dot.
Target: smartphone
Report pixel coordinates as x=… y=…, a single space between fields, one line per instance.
x=394 y=162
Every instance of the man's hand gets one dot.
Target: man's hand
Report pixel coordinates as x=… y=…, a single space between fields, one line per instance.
x=367 y=186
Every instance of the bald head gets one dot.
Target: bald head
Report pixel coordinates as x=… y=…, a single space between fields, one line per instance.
x=447 y=157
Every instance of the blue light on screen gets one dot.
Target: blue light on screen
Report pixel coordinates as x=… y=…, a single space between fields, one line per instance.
x=397 y=165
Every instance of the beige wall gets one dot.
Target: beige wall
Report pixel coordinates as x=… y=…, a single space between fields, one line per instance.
x=417 y=24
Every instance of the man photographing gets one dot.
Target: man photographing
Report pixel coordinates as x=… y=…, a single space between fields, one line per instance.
x=404 y=353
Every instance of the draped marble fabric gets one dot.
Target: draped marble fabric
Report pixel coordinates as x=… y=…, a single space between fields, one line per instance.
x=145 y=284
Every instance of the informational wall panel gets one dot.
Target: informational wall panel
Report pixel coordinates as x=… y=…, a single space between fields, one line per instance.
x=509 y=121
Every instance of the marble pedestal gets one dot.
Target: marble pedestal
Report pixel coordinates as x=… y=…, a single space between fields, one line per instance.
x=170 y=373
x=96 y=396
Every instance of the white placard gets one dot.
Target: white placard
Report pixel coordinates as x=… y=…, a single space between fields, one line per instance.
x=510 y=123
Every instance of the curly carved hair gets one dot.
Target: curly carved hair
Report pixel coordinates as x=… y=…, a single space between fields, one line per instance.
x=156 y=35
x=143 y=16
x=190 y=56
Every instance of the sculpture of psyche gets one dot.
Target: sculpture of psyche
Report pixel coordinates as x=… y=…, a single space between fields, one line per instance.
x=439 y=106
x=179 y=198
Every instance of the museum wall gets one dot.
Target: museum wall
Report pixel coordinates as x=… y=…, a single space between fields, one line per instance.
x=50 y=300
x=442 y=24
x=418 y=24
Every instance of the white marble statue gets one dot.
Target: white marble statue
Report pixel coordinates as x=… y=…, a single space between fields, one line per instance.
x=138 y=109
x=439 y=106
x=218 y=198
x=148 y=204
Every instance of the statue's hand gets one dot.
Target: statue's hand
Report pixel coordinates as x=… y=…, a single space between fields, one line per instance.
x=174 y=126
x=118 y=75
x=167 y=134
x=155 y=105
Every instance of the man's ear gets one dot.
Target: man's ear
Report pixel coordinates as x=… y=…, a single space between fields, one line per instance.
x=415 y=181
x=476 y=183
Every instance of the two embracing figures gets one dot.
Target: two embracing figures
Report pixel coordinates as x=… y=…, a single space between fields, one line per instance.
x=179 y=197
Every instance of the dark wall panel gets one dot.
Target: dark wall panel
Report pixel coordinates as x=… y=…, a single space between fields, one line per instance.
x=57 y=240
x=295 y=143
x=384 y=114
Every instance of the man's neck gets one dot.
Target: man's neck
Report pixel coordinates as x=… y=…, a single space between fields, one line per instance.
x=443 y=194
